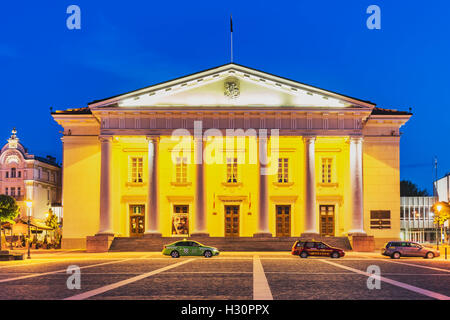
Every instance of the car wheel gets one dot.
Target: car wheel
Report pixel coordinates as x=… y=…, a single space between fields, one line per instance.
x=335 y=255
x=429 y=255
x=303 y=255
x=207 y=254
x=174 y=254
x=396 y=255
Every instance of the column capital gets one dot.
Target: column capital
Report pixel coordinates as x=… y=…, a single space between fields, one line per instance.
x=309 y=138
x=356 y=139
x=154 y=138
x=105 y=138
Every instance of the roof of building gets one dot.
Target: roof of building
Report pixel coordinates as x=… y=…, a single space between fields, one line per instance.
x=84 y=110
x=389 y=112
x=20 y=148
x=47 y=161
x=230 y=64
x=375 y=111
x=87 y=110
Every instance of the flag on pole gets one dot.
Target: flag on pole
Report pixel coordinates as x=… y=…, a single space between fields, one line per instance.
x=231 y=23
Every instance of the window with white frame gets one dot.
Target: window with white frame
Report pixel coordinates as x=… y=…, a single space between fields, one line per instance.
x=136 y=169
x=232 y=172
x=327 y=165
x=283 y=170
x=181 y=170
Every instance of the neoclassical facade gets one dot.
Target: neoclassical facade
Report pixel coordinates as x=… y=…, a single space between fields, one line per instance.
x=27 y=177
x=230 y=152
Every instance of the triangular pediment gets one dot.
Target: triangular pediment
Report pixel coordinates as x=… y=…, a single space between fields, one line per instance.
x=231 y=85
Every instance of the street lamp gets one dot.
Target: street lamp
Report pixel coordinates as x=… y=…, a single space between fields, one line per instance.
x=438 y=208
x=29 y=205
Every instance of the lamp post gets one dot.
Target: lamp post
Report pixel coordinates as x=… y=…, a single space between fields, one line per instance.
x=29 y=205
x=438 y=236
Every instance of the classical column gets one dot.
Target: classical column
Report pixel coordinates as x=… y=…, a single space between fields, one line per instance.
x=151 y=221
x=200 y=198
x=311 y=228
x=263 y=218
x=356 y=183
x=106 y=214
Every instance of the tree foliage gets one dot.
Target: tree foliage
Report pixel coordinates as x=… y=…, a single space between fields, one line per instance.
x=52 y=222
x=8 y=211
x=441 y=211
x=409 y=189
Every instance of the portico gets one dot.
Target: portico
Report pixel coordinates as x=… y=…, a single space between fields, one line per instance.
x=304 y=162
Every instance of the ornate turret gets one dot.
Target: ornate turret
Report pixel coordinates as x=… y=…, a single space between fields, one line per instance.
x=13 y=140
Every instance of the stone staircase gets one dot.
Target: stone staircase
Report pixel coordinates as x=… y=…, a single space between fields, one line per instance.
x=122 y=244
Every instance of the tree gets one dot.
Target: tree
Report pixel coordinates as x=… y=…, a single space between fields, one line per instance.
x=409 y=189
x=52 y=222
x=8 y=211
x=441 y=211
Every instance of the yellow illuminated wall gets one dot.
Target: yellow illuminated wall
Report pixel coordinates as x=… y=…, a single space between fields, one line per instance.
x=382 y=184
x=81 y=186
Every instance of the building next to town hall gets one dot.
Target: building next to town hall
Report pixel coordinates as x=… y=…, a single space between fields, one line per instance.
x=280 y=159
x=30 y=178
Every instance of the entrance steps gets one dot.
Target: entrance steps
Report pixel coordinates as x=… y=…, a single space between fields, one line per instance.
x=141 y=244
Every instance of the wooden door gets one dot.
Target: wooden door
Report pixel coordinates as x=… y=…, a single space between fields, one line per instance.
x=327 y=220
x=137 y=220
x=231 y=221
x=283 y=221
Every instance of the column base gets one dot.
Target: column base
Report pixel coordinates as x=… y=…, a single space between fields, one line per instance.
x=310 y=235
x=106 y=234
x=362 y=242
x=152 y=234
x=99 y=242
x=262 y=235
x=199 y=234
x=352 y=233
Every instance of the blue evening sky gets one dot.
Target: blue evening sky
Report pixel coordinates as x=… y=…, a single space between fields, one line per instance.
x=125 y=45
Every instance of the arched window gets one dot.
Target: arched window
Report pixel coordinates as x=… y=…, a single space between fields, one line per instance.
x=13 y=172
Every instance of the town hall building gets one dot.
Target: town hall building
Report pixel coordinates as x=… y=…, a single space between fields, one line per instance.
x=230 y=152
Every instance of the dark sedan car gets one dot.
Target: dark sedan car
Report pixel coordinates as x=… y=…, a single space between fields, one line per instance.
x=304 y=249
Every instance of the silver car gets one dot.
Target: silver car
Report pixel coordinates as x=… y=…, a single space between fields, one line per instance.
x=397 y=249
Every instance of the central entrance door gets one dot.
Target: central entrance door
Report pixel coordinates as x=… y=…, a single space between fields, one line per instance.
x=231 y=221
x=283 y=221
x=327 y=220
x=137 y=220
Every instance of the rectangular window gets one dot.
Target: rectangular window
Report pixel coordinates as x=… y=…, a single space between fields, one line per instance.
x=380 y=219
x=18 y=191
x=6 y=191
x=13 y=192
x=19 y=174
x=13 y=172
x=283 y=170
x=326 y=170
x=7 y=174
x=181 y=170
x=232 y=176
x=136 y=169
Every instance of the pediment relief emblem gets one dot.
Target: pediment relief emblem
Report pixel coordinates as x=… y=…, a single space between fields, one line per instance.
x=231 y=88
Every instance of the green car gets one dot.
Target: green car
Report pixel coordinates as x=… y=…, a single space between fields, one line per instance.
x=189 y=248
